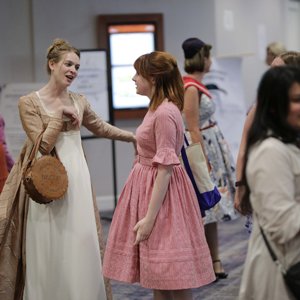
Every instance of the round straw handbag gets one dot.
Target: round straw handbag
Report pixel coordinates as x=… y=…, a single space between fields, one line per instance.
x=45 y=178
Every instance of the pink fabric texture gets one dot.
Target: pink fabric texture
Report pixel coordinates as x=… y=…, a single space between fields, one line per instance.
x=8 y=158
x=176 y=255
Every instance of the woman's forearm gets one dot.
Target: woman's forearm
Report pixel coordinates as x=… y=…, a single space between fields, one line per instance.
x=241 y=154
x=159 y=191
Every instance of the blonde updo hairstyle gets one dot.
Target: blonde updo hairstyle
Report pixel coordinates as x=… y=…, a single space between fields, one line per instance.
x=276 y=48
x=57 y=49
x=197 y=62
x=161 y=69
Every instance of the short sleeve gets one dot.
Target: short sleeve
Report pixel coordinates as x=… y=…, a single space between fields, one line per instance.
x=166 y=138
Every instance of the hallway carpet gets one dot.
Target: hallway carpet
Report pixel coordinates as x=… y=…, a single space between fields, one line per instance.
x=233 y=239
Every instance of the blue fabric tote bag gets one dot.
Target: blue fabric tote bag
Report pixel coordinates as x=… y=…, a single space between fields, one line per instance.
x=193 y=160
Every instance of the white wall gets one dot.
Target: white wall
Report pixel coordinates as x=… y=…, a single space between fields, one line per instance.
x=16 y=59
x=27 y=27
x=292 y=24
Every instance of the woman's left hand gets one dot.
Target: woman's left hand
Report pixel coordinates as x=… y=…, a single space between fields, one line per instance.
x=72 y=114
x=239 y=192
x=143 y=230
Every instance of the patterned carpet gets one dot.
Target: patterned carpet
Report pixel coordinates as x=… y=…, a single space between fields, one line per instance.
x=233 y=246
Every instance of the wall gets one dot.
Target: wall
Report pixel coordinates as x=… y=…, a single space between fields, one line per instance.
x=16 y=57
x=28 y=27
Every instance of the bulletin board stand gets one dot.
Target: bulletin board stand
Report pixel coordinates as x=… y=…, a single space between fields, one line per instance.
x=92 y=81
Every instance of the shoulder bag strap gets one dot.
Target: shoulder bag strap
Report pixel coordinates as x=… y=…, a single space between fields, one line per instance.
x=186 y=140
x=188 y=168
x=35 y=149
x=271 y=251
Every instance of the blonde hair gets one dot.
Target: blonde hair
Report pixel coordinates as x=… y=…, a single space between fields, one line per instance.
x=57 y=49
x=276 y=48
x=161 y=67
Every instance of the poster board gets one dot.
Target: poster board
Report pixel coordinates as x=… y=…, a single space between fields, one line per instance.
x=9 y=99
x=92 y=82
x=225 y=84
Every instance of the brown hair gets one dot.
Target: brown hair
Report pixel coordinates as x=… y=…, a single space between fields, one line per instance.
x=161 y=67
x=57 y=49
x=291 y=58
x=197 y=62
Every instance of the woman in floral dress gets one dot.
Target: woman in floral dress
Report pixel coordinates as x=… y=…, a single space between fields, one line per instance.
x=198 y=113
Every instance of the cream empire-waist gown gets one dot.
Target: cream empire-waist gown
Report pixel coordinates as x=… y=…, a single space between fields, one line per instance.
x=62 y=248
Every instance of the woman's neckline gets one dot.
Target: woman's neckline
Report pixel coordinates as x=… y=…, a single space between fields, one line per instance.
x=49 y=112
x=43 y=105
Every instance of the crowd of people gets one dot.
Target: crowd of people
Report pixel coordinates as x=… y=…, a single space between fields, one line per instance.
x=157 y=237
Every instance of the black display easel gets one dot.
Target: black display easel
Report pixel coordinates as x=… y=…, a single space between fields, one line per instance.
x=109 y=116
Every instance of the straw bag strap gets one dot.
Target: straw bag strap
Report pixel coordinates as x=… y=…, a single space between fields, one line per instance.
x=187 y=166
x=35 y=149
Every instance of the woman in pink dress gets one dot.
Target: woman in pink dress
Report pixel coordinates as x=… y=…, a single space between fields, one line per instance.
x=156 y=236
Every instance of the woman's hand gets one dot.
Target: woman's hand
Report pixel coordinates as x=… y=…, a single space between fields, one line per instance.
x=71 y=113
x=143 y=230
x=239 y=192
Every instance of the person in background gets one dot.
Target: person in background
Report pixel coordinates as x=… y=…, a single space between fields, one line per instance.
x=272 y=184
x=201 y=126
x=273 y=49
x=6 y=161
x=52 y=251
x=291 y=58
x=156 y=237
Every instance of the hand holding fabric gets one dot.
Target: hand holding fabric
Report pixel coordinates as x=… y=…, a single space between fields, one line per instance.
x=72 y=114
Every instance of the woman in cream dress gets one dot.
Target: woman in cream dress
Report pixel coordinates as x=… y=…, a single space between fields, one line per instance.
x=52 y=251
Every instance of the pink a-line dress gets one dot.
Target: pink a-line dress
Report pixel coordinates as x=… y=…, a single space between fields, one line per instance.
x=176 y=255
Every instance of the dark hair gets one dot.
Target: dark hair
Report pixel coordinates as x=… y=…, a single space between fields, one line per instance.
x=161 y=67
x=57 y=49
x=270 y=119
x=197 y=62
